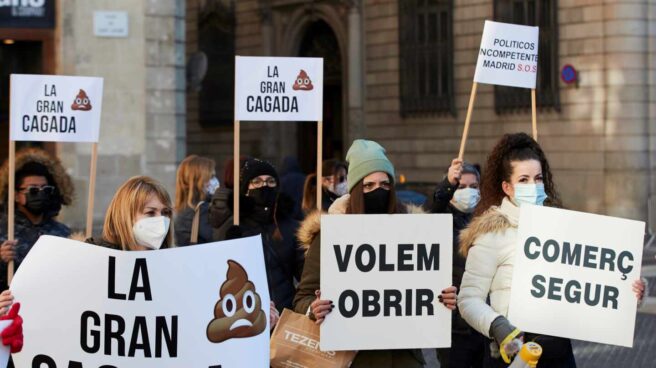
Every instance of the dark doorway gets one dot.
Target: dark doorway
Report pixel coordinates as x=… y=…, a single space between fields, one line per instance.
x=320 y=41
x=16 y=57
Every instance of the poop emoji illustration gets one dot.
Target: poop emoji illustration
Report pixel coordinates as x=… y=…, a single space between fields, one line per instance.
x=302 y=82
x=238 y=313
x=81 y=102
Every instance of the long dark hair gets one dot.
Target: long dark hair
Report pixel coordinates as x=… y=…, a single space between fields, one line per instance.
x=513 y=147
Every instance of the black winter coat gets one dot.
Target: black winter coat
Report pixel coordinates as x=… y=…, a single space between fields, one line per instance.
x=183 y=221
x=283 y=256
x=442 y=204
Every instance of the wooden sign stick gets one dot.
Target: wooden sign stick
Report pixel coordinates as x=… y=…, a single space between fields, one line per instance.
x=11 y=203
x=535 y=114
x=465 y=132
x=235 y=172
x=319 y=162
x=92 y=189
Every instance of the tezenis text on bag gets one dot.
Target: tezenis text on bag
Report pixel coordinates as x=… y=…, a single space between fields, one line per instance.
x=387 y=302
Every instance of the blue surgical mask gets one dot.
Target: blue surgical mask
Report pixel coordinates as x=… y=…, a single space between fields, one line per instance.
x=530 y=194
x=212 y=185
x=466 y=199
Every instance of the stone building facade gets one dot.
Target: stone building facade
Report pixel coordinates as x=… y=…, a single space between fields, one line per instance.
x=599 y=134
x=143 y=118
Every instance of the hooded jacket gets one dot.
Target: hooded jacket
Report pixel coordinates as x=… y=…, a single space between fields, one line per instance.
x=309 y=236
x=282 y=255
x=25 y=232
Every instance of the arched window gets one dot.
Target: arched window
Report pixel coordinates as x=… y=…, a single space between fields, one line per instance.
x=426 y=56
x=544 y=14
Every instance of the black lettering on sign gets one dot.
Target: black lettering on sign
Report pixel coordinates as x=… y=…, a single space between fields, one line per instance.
x=111 y=334
x=139 y=338
x=140 y=281
x=168 y=335
x=429 y=261
x=39 y=360
x=92 y=346
x=342 y=259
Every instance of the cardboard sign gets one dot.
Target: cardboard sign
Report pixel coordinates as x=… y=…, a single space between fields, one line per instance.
x=385 y=273
x=55 y=108
x=573 y=275
x=508 y=55
x=199 y=306
x=278 y=89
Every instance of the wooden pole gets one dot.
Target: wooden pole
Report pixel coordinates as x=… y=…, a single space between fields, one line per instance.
x=470 y=108
x=535 y=114
x=11 y=204
x=319 y=162
x=92 y=189
x=235 y=172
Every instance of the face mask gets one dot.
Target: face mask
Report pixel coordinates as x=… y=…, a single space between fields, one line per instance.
x=150 y=232
x=212 y=186
x=377 y=201
x=264 y=197
x=38 y=203
x=530 y=194
x=466 y=199
x=340 y=189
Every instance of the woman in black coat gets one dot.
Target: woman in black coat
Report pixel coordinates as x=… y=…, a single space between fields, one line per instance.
x=266 y=211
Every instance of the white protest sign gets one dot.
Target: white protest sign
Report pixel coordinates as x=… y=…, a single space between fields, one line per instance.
x=55 y=108
x=278 y=89
x=4 y=349
x=508 y=55
x=573 y=275
x=384 y=273
x=199 y=306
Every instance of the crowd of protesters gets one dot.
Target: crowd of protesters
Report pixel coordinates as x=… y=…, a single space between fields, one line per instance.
x=280 y=205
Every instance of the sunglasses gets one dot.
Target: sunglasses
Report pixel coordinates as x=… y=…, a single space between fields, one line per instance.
x=34 y=190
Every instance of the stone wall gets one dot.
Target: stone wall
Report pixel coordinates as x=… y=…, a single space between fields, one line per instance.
x=600 y=144
x=142 y=129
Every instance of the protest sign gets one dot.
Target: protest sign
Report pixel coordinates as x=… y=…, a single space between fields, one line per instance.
x=384 y=273
x=278 y=89
x=508 y=56
x=573 y=275
x=89 y=306
x=55 y=108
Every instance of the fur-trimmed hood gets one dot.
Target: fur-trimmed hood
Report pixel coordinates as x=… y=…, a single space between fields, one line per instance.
x=311 y=226
x=62 y=180
x=494 y=220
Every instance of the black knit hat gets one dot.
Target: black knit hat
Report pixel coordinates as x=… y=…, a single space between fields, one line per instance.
x=253 y=168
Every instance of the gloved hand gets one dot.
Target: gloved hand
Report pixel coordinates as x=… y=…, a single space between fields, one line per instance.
x=507 y=337
x=12 y=336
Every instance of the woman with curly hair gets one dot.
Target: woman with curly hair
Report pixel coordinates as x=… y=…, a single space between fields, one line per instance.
x=517 y=173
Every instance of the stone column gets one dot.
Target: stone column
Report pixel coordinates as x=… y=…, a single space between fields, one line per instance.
x=356 y=126
x=165 y=89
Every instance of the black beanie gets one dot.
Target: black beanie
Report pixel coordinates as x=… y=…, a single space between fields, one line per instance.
x=253 y=168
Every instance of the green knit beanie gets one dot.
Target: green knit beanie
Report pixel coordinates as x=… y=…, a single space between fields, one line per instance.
x=364 y=158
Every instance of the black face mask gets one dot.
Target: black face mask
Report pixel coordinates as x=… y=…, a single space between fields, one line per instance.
x=263 y=197
x=38 y=203
x=377 y=201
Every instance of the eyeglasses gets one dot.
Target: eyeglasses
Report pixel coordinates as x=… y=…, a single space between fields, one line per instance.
x=259 y=183
x=34 y=190
x=338 y=179
x=370 y=186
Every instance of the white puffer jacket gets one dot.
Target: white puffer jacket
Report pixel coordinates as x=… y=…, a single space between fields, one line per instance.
x=490 y=242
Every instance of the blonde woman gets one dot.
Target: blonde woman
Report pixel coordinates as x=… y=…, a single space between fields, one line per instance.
x=138 y=217
x=195 y=183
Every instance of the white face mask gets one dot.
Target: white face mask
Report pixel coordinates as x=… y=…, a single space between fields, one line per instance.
x=466 y=199
x=212 y=186
x=340 y=189
x=150 y=232
x=530 y=194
